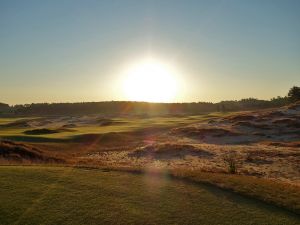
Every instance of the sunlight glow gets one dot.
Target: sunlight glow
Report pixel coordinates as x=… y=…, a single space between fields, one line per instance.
x=150 y=81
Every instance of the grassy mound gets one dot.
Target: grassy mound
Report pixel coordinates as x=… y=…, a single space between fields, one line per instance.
x=289 y=122
x=292 y=144
x=16 y=124
x=14 y=152
x=241 y=117
x=69 y=125
x=252 y=125
x=108 y=122
x=41 y=195
x=294 y=106
x=105 y=138
x=202 y=132
x=168 y=151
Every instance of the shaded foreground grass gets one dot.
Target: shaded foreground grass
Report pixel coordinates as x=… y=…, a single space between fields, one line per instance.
x=66 y=195
x=277 y=193
x=280 y=194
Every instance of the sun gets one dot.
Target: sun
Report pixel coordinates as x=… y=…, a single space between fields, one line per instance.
x=150 y=81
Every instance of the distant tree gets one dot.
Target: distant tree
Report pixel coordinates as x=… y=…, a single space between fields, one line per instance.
x=279 y=101
x=4 y=107
x=222 y=107
x=294 y=94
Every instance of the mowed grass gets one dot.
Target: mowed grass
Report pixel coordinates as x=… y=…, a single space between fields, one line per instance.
x=6 y=120
x=66 y=195
x=125 y=124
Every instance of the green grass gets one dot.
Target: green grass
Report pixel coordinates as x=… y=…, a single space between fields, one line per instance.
x=275 y=192
x=126 y=125
x=6 y=120
x=61 y=195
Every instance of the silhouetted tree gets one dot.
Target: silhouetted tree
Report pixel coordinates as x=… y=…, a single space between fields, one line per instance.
x=115 y=108
x=294 y=94
x=280 y=101
x=4 y=107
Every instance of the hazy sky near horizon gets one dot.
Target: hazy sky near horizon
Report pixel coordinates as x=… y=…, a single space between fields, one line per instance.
x=76 y=50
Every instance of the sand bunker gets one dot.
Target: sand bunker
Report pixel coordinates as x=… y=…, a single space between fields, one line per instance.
x=46 y=131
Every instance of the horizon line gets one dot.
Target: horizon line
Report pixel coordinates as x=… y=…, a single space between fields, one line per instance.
x=104 y=101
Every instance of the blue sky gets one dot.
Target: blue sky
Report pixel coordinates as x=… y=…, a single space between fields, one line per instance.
x=71 y=50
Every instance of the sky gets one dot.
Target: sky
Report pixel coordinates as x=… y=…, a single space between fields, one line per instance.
x=78 y=50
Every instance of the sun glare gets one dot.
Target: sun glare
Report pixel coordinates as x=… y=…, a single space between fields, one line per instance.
x=150 y=81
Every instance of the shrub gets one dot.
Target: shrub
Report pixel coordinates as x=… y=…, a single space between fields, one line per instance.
x=232 y=161
x=294 y=94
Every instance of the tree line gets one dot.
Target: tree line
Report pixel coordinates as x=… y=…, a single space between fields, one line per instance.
x=115 y=108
